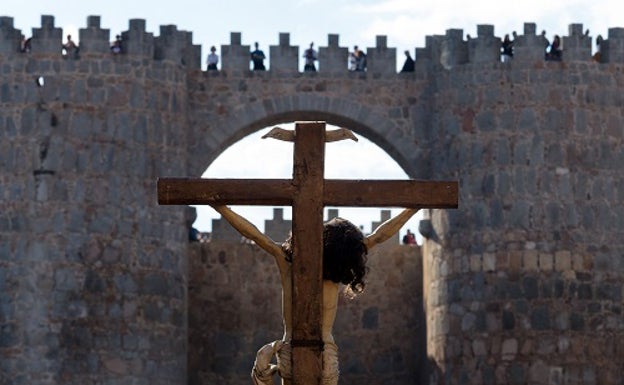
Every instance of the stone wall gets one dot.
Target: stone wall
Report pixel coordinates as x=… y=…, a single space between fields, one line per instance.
x=522 y=283
x=526 y=279
x=93 y=283
x=235 y=308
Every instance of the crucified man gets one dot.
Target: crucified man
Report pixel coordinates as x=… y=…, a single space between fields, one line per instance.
x=344 y=262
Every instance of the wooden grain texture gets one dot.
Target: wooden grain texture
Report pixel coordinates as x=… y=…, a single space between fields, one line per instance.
x=307 y=265
x=199 y=191
x=391 y=193
x=280 y=192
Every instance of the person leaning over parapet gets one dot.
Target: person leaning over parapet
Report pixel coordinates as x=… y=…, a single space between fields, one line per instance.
x=310 y=57
x=555 y=49
x=212 y=59
x=506 y=49
x=597 y=56
x=257 y=57
x=408 y=66
x=25 y=45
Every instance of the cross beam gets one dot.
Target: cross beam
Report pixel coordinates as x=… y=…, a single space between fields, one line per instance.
x=279 y=192
x=308 y=193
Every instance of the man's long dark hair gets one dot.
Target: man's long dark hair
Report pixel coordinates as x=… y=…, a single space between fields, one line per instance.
x=344 y=255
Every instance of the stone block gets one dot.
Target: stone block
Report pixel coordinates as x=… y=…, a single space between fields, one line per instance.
x=517 y=374
x=515 y=261
x=508 y=320
x=155 y=284
x=8 y=335
x=475 y=262
x=577 y=322
x=479 y=347
x=65 y=280
x=546 y=261
x=530 y=287
x=527 y=347
x=370 y=318
x=563 y=260
x=530 y=260
x=538 y=372
x=584 y=291
x=492 y=322
x=540 y=318
x=578 y=262
x=509 y=349
x=489 y=262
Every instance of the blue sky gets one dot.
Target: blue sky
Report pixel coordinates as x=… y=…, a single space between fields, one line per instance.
x=406 y=23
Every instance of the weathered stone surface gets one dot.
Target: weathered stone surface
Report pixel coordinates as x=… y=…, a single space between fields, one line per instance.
x=93 y=273
x=227 y=324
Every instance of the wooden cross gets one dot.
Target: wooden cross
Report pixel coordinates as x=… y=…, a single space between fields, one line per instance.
x=308 y=192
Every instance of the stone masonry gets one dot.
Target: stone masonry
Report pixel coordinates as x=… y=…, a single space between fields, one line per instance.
x=523 y=284
x=235 y=308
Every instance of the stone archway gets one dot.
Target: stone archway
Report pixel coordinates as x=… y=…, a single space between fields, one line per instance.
x=224 y=126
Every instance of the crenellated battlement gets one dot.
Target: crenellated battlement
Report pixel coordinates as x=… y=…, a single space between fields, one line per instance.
x=448 y=50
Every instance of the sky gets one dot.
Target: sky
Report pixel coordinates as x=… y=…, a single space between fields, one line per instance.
x=406 y=23
x=255 y=157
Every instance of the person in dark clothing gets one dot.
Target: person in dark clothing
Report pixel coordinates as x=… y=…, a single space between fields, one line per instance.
x=408 y=66
x=555 y=49
x=257 y=57
x=310 y=57
x=506 y=49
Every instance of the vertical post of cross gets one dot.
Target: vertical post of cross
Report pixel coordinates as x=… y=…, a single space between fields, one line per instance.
x=307 y=265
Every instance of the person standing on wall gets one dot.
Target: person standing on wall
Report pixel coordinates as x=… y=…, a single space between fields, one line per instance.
x=212 y=59
x=409 y=238
x=70 y=48
x=408 y=66
x=257 y=57
x=310 y=57
x=506 y=49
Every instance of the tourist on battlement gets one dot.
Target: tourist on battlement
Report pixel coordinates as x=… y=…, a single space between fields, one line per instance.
x=506 y=49
x=70 y=48
x=257 y=57
x=408 y=66
x=409 y=238
x=554 y=54
x=116 y=46
x=194 y=234
x=353 y=60
x=359 y=59
x=310 y=57
x=597 y=57
x=25 y=45
x=213 y=59
x=546 y=44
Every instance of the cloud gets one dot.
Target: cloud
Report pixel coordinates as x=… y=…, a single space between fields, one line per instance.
x=407 y=25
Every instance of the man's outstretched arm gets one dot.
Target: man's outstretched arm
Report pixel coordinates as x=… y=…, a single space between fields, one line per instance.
x=387 y=229
x=249 y=230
